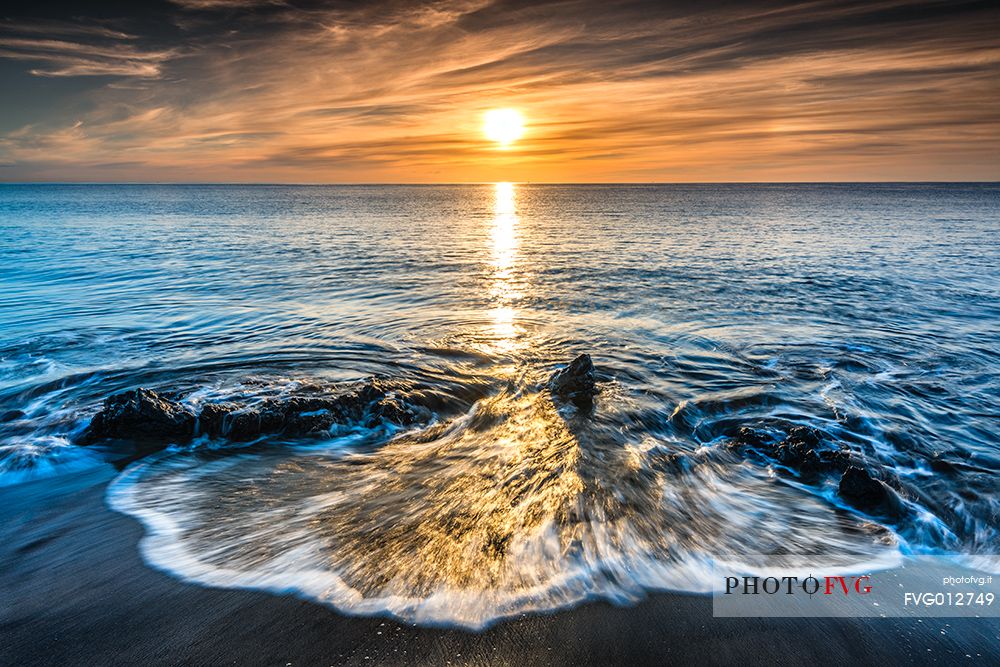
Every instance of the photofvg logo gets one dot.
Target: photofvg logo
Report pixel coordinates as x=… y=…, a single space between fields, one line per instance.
x=851 y=586
x=829 y=585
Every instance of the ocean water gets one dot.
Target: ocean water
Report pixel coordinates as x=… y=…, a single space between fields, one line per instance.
x=870 y=313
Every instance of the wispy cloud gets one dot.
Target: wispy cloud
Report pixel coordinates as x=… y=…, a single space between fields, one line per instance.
x=387 y=91
x=209 y=4
x=66 y=49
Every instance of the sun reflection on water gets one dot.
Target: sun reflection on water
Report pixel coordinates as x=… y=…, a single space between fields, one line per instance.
x=503 y=288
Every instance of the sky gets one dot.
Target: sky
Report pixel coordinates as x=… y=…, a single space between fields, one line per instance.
x=376 y=92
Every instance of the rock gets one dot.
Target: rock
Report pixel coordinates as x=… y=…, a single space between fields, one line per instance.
x=868 y=494
x=249 y=423
x=392 y=409
x=141 y=415
x=939 y=464
x=749 y=442
x=803 y=451
x=803 y=436
x=575 y=383
x=749 y=436
x=313 y=422
x=295 y=416
x=212 y=420
x=10 y=416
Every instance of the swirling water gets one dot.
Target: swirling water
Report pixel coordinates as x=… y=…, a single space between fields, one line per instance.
x=867 y=312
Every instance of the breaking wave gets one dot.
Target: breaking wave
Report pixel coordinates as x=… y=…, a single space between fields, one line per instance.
x=518 y=505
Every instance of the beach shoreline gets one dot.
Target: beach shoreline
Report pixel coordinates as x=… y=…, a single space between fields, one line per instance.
x=76 y=591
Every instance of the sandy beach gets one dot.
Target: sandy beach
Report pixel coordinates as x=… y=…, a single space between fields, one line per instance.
x=76 y=592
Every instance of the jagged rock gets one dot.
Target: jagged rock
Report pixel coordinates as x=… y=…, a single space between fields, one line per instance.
x=868 y=494
x=749 y=436
x=392 y=409
x=142 y=415
x=212 y=418
x=803 y=436
x=248 y=423
x=802 y=450
x=575 y=383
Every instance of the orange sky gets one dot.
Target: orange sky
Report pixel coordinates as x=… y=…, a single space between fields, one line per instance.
x=238 y=91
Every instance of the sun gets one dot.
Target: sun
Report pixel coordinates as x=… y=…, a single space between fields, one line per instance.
x=504 y=126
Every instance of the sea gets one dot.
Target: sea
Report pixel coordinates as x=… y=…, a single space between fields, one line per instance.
x=866 y=316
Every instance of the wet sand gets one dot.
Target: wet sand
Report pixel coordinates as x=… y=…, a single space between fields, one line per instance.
x=74 y=591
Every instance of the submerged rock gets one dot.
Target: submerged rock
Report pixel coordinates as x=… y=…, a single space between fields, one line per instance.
x=940 y=464
x=803 y=436
x=11 y=415
x=868 y=494
x=807 y=453
x=575 y=383
x=145 y=416
x=803 y=450
x=747 y=436
x=394 y=410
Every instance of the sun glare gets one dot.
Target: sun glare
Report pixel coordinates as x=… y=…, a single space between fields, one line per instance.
x=504 y=126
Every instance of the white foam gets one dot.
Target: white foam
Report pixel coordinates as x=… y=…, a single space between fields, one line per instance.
x=503 y=512
x=31 y=457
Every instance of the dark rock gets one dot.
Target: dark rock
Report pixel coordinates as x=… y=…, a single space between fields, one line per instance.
x=803 y=451
x=213 y=417
x=803 y=436
x=396 y=411
x=868 y=494
x=939 y=464
x=141 y=415
x=344 y=406
x=749 y=441
x=750 y=436
x=311 y=423
x=249 y=423
x=576 y=383
x=10 y=416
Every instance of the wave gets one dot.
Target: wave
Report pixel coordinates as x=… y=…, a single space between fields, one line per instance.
x=518 y=505
x=502 y=499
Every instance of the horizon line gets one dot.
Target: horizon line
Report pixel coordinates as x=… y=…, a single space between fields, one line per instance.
x=471 y=183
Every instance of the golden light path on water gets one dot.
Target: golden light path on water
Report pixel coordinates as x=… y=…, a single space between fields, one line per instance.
x=504 y=237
